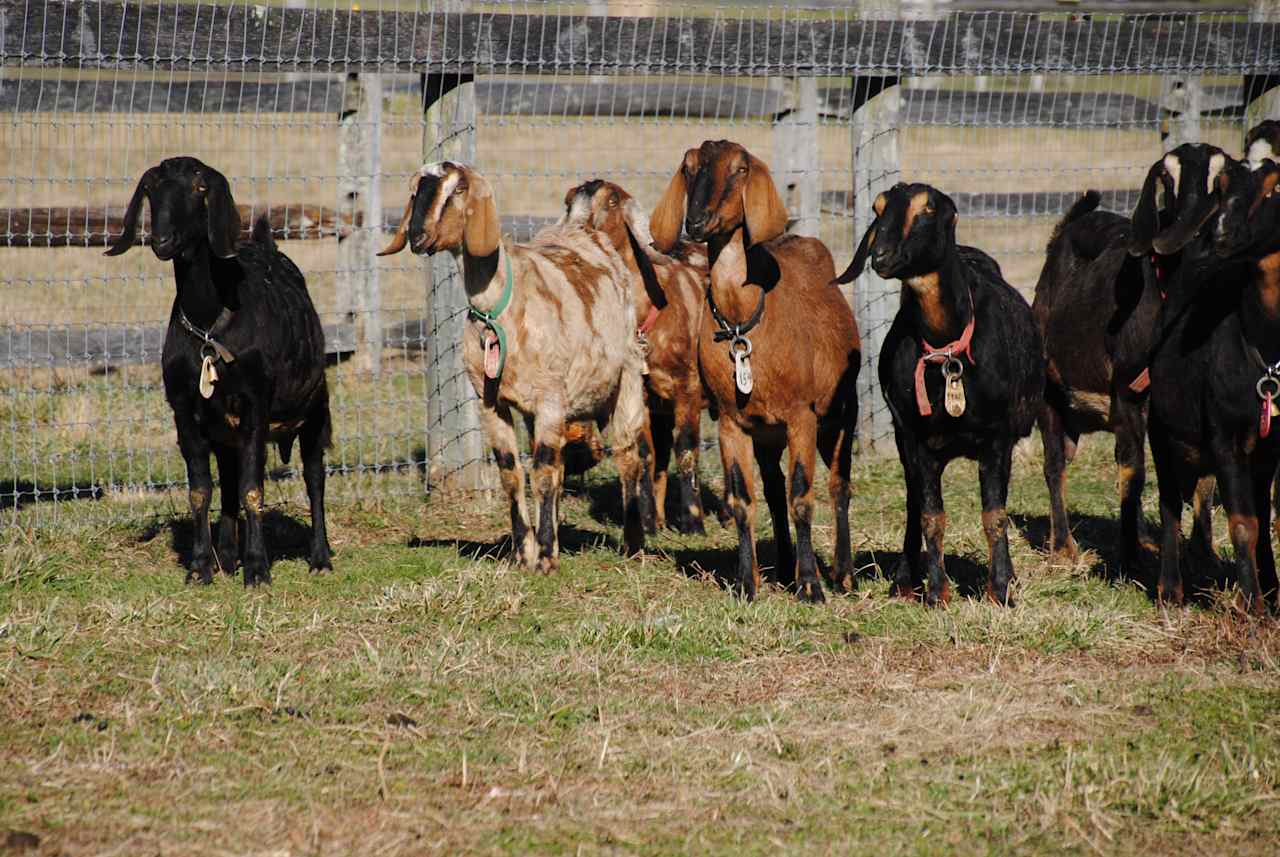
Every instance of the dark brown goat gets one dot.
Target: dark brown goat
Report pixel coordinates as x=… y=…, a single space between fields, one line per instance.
x=957 y=295
x=779 y=353
x=669 y=295
x=1097 y=302
x=243 y=360
x=1215 y=382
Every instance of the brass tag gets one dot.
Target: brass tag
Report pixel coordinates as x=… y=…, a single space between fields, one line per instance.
x=208 y=375
x=955 y=396
x=1275 y=409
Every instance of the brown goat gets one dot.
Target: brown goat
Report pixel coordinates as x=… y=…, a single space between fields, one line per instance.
x=779 y=352
x=668 y=296
x=570 y=354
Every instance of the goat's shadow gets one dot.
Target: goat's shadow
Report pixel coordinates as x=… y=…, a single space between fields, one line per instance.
x=573 y=540
x=968 y=578
x=604 y=500
x=1202 y=575
x=286 y=537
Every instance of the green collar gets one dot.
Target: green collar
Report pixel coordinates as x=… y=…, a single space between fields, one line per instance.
x=490 y=319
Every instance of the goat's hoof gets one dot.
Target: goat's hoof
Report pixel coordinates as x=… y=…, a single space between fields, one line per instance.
x=1068 y=552
x=256 y=576
x=548 y=565
x=939 y=598
x=202 y=576
x=811 y=592
x=999 y=597
x=690 y=526
x=745 y=589
x=1170 y=595
x=905 y=591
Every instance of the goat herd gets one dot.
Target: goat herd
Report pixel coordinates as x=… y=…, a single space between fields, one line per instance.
x=1164 y=325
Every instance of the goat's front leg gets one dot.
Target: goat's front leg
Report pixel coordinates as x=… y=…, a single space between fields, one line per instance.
x=802 y=435
x=735 y=455
x=501 y=431
x=933 y=523
x=687 y=440
x=661 y=428
x=313 y=439
x=1238 y=495
x=195 y=452
x=907 y=574
x=993 y=479
x=1169 y=585
x=229 y=521
x=773 y=485
x=1200 y=548
x=1130 y=420
x=253 y=453
x=548 y=478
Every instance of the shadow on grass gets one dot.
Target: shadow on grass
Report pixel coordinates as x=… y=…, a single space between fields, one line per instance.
x=1202 y=575
x=604 y=501
x=286 y=537
x=573 y=540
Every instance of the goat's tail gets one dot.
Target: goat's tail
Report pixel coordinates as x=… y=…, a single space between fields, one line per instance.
x=262 y=233
x=1088 y=202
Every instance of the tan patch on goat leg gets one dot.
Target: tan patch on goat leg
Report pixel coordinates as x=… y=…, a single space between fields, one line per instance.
x=934 y=527
x=253 y=501
x=1244 y=537
x=1125 y=475
x=199 y=499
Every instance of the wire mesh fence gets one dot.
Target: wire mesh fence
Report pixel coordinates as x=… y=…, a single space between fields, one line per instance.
x=318 y=112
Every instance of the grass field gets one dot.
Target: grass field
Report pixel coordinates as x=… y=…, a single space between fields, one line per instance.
x=421 y=700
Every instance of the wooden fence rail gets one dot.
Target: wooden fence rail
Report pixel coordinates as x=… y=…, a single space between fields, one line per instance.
x=116 y=35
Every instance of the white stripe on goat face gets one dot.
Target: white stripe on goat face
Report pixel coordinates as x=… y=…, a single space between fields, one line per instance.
x=1216 y=163
x=444 y=192
x=1258 y=152
x=1174 y=167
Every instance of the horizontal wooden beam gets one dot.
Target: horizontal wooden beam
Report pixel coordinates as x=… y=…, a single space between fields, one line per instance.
x=91 y=34
x=679 y=98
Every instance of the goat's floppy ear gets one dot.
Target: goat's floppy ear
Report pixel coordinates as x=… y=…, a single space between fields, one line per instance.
x=129 y=229
x=859 y=262
x=668 y=215
x=1270 y=172
x=483 y=231
x=639 y=238
x=765 y=211
x=224 y=218
x=1145 y=220
x=402 y=231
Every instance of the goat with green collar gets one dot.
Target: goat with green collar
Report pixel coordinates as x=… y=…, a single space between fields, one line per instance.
x=549 y=335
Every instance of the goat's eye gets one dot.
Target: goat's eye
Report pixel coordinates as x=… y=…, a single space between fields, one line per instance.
x=200 y=188
x=613 y=202
x=742 y=169
x=459 y=190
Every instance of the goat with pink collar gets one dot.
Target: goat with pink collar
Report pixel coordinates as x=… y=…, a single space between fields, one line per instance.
x=550 y=335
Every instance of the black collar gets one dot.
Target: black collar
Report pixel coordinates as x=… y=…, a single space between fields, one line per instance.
x=207 y=336
x=729 y=331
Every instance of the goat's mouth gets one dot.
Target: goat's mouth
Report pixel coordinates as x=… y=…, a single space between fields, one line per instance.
x=700 y=230
x=164 y=247
x=421 y=245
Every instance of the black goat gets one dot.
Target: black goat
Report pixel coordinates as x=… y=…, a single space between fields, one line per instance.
x=1097 y=302
x=243 y=359
x=987 y=387
x=1215 y=382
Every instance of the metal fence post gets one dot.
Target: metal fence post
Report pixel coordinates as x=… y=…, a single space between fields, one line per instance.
x=360 y=205
x=796 y=155
x=455 y=443
x=876 y=167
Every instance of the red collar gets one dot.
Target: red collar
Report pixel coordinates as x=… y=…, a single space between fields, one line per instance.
x=942 y=355
x=650 y=319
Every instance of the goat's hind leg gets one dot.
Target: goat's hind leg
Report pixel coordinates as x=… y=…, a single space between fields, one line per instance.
x=501 y=432
x=314 y=439
x=735 y=454
x=1058 y=449
x=253 y=453
x=548 y=478
x=773 y=485
x=907 y=574
x=687 y=440
x=661 y=427
x=228 y=545
x=835 y=445
x=627 y=427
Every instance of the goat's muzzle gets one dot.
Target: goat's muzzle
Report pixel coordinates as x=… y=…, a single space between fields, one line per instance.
x=423 y=244
x=698 y=229
x=164 y=247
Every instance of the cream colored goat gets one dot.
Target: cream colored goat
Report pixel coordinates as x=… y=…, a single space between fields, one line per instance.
x=551 y=335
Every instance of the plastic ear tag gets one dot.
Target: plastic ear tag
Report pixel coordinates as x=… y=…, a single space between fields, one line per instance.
x=742 y=365
x=954 y=402
x=492 y=354
x=208 y=375
x=643 y=340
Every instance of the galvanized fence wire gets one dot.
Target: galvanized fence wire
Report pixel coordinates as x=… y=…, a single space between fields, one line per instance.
x=318 y=114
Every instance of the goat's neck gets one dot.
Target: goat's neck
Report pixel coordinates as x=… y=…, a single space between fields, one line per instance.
x=202 y=286
x=939 y=302
x=1260 y=308
x=736 y=302
x=484 y=277
x=638 y=293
